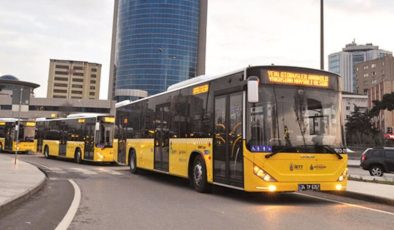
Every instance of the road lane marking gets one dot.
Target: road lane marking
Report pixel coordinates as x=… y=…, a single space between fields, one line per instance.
x=84 y=171
x=39 y=164
x=348 y=204
x=67 y=219
x=108 y=171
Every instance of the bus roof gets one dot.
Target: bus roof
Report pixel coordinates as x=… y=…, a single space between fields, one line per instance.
x=205 y=78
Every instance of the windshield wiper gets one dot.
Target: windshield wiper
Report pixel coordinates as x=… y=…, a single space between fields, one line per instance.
x=285 y=148
x=333 y=151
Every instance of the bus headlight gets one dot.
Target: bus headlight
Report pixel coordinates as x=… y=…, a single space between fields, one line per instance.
x=262 y=174
x=343 y=176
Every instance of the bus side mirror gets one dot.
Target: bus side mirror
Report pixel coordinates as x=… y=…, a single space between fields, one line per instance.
x=253 y=89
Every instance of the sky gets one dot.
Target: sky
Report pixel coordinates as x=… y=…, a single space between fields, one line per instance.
x=239 y=33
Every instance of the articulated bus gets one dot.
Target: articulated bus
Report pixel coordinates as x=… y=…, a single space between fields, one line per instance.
x=259 y=129
x=8 y=134
x=81 y=137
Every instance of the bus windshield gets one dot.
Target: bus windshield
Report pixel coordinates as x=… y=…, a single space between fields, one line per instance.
x=294 y=119
x=105 y=135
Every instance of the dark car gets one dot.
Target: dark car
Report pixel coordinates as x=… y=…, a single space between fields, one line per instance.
x=378 y=160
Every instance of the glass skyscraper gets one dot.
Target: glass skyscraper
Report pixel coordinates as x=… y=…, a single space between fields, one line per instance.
x=155 y=44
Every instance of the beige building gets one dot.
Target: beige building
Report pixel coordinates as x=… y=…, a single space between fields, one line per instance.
x=376 y=78
x=349 y=103
x=73 y=79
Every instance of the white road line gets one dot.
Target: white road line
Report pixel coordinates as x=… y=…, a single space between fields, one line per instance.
x=84 y=171
x=348 y=204
x=108 y=171
x=39 y=164
x=67 y=219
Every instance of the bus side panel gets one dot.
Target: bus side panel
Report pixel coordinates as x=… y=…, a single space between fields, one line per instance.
x=104 y=154
x=115 y=148
x=23 y=146
x=2 y=142
x=181 y=150
x=144 y=151
x=72 y=146
x=53 y=147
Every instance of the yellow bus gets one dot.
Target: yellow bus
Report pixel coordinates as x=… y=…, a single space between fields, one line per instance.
x=81 y=137
x=8 y=134
x=259 y=129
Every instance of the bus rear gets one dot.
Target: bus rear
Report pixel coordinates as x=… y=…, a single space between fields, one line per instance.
x=293 y=133
x=104 y=147
x=8 y=135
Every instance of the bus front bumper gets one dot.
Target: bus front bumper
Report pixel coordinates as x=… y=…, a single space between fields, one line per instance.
x=299 y=186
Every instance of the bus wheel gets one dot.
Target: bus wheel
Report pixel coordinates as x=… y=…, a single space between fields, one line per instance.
x=1 y=148
x=77 y=156
x=199 y=175
x=46 y=152
x=133 y=162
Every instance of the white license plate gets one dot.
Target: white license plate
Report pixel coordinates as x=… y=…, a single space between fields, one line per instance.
x=309 y=187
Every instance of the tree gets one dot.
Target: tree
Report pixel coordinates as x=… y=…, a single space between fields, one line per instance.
x=387 y=102
x=360 y=129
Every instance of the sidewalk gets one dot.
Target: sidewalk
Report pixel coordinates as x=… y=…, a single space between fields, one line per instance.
x=17 y=182
x=371 y=191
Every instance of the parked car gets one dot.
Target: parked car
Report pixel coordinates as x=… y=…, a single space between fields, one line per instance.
x=378 y=160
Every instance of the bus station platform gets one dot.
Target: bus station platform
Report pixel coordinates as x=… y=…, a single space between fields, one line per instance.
x=17 y=181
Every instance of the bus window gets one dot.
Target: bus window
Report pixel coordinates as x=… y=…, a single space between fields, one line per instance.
x=105 y=135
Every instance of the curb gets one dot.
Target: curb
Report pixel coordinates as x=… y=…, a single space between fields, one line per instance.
x=26 y=195
x=353 y=166
x=365 y=197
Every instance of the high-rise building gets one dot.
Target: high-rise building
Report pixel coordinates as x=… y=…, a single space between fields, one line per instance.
x=376 y=78
x=156 y=44
x=73 y=79
x=343 y=63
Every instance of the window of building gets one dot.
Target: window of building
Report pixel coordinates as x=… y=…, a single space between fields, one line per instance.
x=61 y=72
x=92 y=93
x=347 y=107
x=73 y=97
x=373 y=73
x=59 y=96
x=77 y=86
x=373 y=65
x=61 y=67
x=92 y=87
x=93 y=76
x=78 y=67
x=60 y=91
x=365 y=67
x=92 y=81
x=347 y=116
x=78 y=74
x=76 y=92
x=77 y=80
x=94 y=70
x=60 y=85
x=365 y=74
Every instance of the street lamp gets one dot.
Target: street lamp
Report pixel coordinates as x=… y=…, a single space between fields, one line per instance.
x=19 y=122
x=322 y=34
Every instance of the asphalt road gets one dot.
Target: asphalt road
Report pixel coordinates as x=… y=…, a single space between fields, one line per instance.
x=114 y=199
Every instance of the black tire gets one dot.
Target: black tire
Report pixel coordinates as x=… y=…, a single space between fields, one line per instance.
x=46 y=152
x=376 y=170
x=1 y=148
x=132 y=162
x=199 y=175
x=78 y=156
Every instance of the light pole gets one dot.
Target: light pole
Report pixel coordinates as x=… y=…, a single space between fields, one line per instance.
x=19 y=123
x=322 y=34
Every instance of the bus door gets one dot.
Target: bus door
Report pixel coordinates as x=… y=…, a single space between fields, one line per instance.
x=162 y=121
x=89 y=127
x=227 y=147
x=9 y=136
x=122 y=139
x=63 y=139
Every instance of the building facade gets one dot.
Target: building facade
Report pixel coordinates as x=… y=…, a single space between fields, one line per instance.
x=376 y=78
x=350 y=101
x=69 y=79
x=156 y=44
x=343 y=63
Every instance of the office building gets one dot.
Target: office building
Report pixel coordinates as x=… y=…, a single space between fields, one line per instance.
x=349 y=103
x=156 y=44
x=32 y=107
x=69 y=79
x=343 y=63
x=376 y=78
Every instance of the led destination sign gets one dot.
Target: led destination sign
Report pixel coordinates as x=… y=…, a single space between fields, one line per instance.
x=292 y=78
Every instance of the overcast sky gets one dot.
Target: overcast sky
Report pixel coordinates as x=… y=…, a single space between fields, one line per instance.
x=240 y=33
